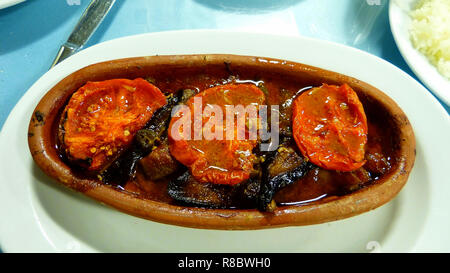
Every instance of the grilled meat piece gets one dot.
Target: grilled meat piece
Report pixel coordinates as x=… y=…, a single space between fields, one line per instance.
x=159 y=163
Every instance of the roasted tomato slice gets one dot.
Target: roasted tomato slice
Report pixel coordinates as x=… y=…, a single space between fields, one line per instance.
x=226 y=157
x=101 y=119
x=330 y=127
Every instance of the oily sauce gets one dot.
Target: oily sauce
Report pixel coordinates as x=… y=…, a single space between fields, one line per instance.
x=330 y=127
x=280 y=90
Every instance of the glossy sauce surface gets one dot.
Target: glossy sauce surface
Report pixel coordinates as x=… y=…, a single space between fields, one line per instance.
x=330 y=127
x=279 y=90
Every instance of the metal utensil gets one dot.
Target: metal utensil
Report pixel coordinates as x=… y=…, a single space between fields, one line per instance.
x=86 y=26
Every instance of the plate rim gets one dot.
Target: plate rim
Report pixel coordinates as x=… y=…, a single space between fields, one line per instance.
x=10 y=3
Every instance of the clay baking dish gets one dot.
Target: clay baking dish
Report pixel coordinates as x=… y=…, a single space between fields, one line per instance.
x=183 y=69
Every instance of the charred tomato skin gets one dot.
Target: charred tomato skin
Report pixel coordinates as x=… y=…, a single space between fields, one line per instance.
x=101 y=118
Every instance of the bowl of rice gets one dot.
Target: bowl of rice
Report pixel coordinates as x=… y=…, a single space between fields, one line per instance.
x=421 y=29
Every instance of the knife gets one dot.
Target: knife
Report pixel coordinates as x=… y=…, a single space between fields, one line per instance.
x=86 y=26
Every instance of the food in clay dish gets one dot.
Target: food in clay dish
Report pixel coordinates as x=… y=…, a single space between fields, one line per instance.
x=127 y=133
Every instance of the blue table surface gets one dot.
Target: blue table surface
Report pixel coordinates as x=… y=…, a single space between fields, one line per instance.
x=32 y=32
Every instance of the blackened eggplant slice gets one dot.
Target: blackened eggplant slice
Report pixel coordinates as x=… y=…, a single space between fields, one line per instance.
x=187 y=190
x=278 y=169
x=124 y=168
x=281 y=168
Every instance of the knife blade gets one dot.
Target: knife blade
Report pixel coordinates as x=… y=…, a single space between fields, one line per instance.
x=86 y=26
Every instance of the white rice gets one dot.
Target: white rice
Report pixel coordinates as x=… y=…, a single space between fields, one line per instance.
x=430 y=32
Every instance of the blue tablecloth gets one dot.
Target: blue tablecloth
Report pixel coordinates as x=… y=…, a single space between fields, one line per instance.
x=32 y=32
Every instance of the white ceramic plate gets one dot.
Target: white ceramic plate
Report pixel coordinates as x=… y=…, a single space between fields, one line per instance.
x=38 y=214
x=419 y=64
x=8 y=3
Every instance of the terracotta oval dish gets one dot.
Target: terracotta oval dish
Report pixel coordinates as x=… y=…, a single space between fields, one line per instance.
x=289 y=189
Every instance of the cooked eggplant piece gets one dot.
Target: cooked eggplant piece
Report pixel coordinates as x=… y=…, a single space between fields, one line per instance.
x=387 y=167
x=276 y=170
x=159 y=163
x=281 y=168
x=123 y=169
x=187 y=190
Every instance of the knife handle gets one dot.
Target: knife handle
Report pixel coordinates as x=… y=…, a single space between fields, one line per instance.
x=65 y=51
